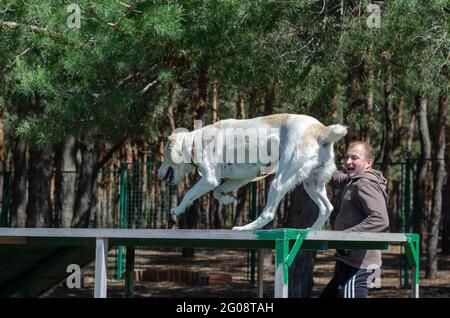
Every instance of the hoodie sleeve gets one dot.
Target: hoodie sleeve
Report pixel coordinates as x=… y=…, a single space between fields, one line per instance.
x=373 y=205
x=339 y=180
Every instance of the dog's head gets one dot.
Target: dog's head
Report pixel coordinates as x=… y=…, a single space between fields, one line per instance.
x=174 y=167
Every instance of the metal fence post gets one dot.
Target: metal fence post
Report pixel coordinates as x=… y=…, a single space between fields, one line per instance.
x=122 y=215
x=252 y=218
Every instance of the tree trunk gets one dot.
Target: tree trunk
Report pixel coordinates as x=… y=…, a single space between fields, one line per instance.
x=242 y=195
x=218 y=215
x=399 y=107
x=215 y=102
x=87 y=176
x=240 y=105
x=389 y=126
x=190 y=219
x=19 y=196
x=353 y=101
x=369 y=99
x=411 y=129
x=39 y=208
x=389 y=136
x=302 y=213
x=214 y=215
x=66 y=183
x=269 y=101
x=439 y=177
x=19 y=184
x=446 y=207
x=253 y=103
x=170 y=108
x=3 y=169
x=420 y=188
x=202 y=92
x=170 y=111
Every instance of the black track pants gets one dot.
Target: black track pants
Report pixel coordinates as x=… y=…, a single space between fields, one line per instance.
x=349 y=282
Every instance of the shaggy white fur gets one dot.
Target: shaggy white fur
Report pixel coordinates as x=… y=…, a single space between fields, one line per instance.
x=301 y=150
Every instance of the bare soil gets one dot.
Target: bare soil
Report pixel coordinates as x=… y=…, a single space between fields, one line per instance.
x=235 y=262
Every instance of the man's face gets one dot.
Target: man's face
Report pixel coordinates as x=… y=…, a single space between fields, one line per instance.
x=356 y=162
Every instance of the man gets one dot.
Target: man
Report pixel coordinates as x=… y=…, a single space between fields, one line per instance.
x=362 y=209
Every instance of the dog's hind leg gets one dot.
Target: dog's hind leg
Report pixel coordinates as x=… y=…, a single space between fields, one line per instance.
x=318 y=194
x=221 y=193
x=279 y=187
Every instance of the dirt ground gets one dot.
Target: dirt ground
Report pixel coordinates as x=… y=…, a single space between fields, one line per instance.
x=235 y=262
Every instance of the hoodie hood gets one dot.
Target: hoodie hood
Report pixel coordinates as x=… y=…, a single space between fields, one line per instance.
x=376 y=177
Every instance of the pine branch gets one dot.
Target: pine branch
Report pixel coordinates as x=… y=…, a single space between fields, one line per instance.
x=131 y=9
x=32 y=28
x=152 y=83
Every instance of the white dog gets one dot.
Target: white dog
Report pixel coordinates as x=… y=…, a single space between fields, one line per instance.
x=304 y=154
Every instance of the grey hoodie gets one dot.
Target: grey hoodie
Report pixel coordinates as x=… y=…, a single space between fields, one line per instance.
x=362 y=209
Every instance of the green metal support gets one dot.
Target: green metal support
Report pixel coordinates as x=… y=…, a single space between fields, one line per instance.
x=285 y=255
x=413 y=253
x=296 y=247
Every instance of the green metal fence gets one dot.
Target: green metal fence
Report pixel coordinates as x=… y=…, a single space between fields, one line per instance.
x=144 y=201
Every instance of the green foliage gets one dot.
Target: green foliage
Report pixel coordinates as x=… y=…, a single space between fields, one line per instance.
x=111 y=75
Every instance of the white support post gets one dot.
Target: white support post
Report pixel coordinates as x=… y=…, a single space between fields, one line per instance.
x=281 y=287
x=101 y=257
x=414 y=283
x=260 y=273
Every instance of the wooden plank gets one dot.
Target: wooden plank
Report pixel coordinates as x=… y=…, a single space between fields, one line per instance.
x=101 y=257
x=13 y=240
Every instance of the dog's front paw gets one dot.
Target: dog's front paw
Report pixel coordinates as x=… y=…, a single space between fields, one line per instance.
x=242 y=228
x=176 y=211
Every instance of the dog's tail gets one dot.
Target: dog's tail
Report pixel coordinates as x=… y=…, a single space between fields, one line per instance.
x=332 y=133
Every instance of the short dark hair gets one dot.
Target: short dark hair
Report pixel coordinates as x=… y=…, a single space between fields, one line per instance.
x=370 y=153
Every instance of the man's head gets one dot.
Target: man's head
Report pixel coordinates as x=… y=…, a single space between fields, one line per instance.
x=359 y=158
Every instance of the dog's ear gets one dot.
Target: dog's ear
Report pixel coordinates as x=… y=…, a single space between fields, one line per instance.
x=176 y=148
